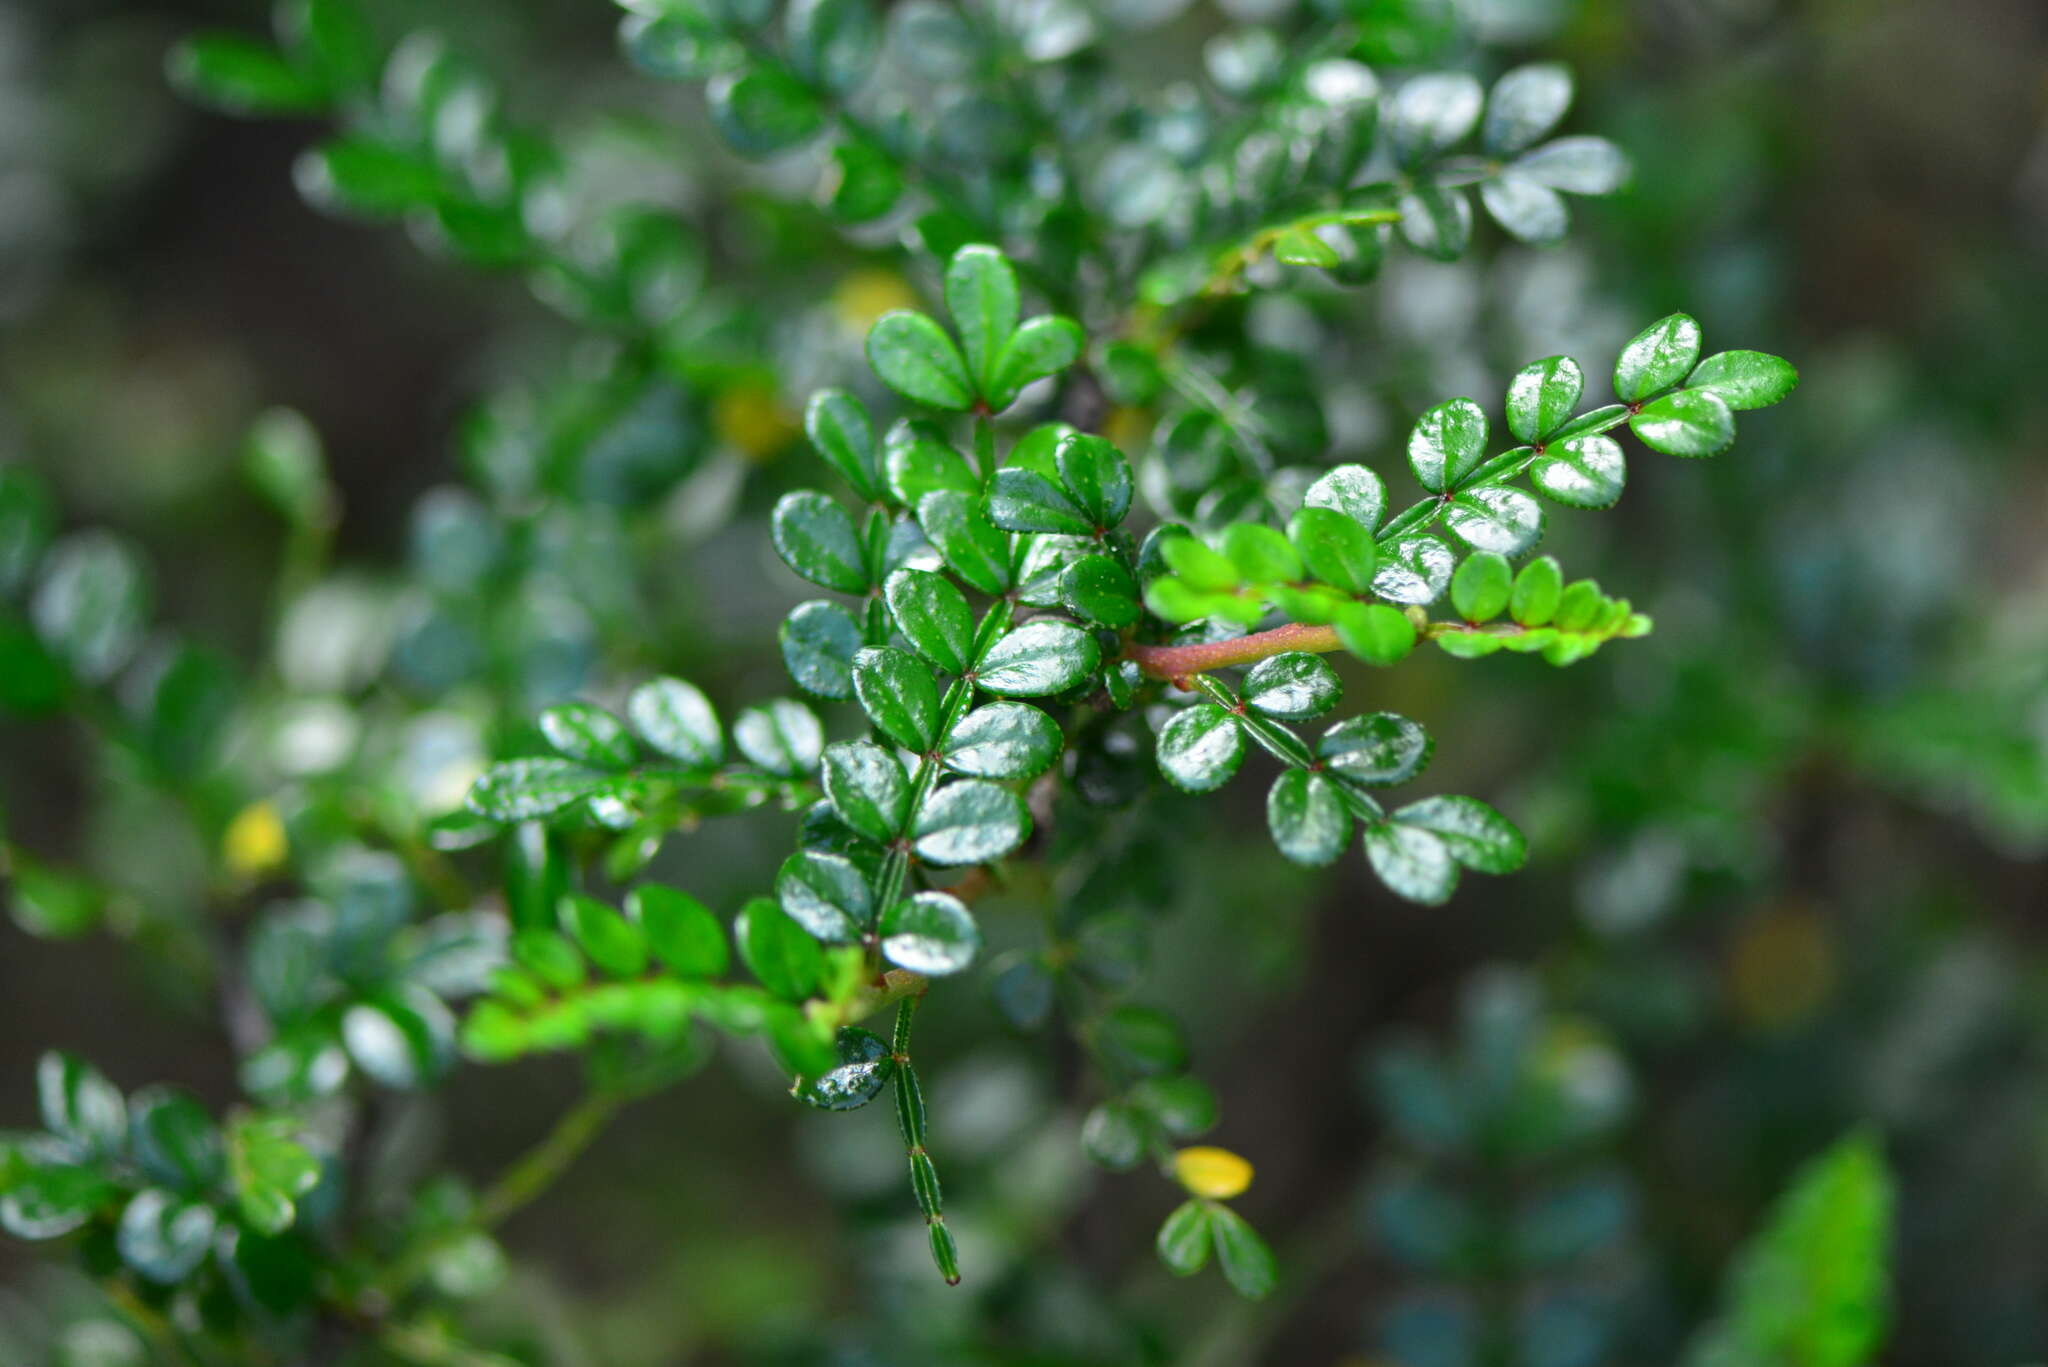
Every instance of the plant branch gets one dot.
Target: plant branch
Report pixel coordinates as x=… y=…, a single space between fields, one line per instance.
x=1180 y=662
x=542 y=1165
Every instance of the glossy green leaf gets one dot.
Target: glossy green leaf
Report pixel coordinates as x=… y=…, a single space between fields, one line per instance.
x=1537 y=589
x=1114 y=1136
x=589 y=735
x=1436 y=221
x=1294 y=686
x=675 y=718
x=1376 y=748
x=867 y=787
x=1353 y=490
x=838 y=426
x=616 y=945
x=1199 y=565
x=969 y=821
x=912 y=354
x=50 y=1200
x=1041 y=348
x=1307 y=817
x=1335 y=548
x=1687 y=422
x=816 y=538
x=981 y=295
x=1495 y=518
x=1412 y=862
x=819 y=640
x=1302 y=247
x=1200 y=748
x=240 y=76
x=931 y=933
x=919 y=461
x=1745 y=379
x=1097 y=588
x=523 y=789
x=680 y=930
x=763 y=110
x=1430 y=114
x=1577 y=166
x=1657 y=358
x=1525 y=104
x=402 y=1038
x=1247 y=1263
x=163 y=1236
x=833 y=43
x=1002 y=740
x=91 y=603
x=1026 y=501
x=270 y=1170
x=865 y=1067
x=1184 y=1240
x=1038 y=659
x=1476 y=835
x=973 y=547
x=1581 y=472
x=782 y=737
x=1096 y=475
x=780 y=954
x=826 y=894
x=80 y=1106
x=1375 y=632
x=1447 y=444
x=174 y=1139
x=1415 y=570
x=896 y=691
x=933 y=616
x=1542 y=396
x=1143 y=1040
x=1526 y=210
x=1481 y=587
x=862 y=183
x=549 y=955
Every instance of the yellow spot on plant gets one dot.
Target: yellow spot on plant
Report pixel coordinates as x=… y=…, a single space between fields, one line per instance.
x=255 y=841
x=1217 y=1174
x=865 y=295
x=1128 y=429
x=750 y=417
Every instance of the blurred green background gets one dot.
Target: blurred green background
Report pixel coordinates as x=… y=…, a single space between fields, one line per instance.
x=1789 y=864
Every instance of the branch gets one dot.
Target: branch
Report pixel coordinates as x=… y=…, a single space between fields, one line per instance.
x=1181 y=662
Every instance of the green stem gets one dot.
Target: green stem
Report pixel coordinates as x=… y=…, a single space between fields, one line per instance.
x=432 y=1348
x=924 y=1176
x=542 y=1165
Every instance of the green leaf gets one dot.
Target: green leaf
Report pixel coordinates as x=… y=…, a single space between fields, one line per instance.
x=933 y=616
x=1336 y=548
x=271 y=1170
x=1812 y=1287
x=865 y=1067
x=1200 y=748
x=969 y=821
x=163 y=1236
x=616 y=945
x=1261 y=554
x=589 y=735
x=1376 y=748
x=1578 y=166
x=1096 y=474
x=957 y=524
x=1476 y=835
x=1657 y=358
x=816 y=538
x=920 y=461
x=1248 y=1265
x=1447 y=444
x=779 y=953
x=333 y=37
x=838 y=426
x=1038 y=659
x=1307 y=817
x=1480 y=588
x=862 y=184
x=1097 y=588
x=1042 y=347
x=1495 y=518
x=1581 y=472
x=1412 y=862
x=1292 y=687
x=523 y=789
x=1689 y=422
x=80 y=1106
x=1430 y=114
x=1542 y=396
x=50 y=1200
x=356 y=174
x=1184 y=1240
x=1002 y=740
x=866 y=786
x=1436 y=221
x=27 y=520
x=174 y=1139
x=1528 y=211
x=1301 y=247
x=1525 y=104
x=1201 y=566
x=1026 y=501
x=403 y=1038
x=548 y=955
x=826 y=894
x=763 y=110
x=981 y=294
x=1375 y=633
x=1183 y=1106
x=1415 y=569
x=1537 y=589
x=819 y=640
x=680 y=930
x=91 y=603
x=676 y=719
x=782 y=737
x=1353 y=490
x=1114 y=1136
x=240 y=76
x=833 y=43
x=895 y=689
x=931 y=933
x=912 y=354
x=1745 y=379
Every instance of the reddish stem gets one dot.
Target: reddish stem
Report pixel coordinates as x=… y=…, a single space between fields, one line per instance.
x=1180 y=662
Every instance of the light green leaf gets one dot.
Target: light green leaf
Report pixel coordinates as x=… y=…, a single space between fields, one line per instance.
x=1375 y=632
x=913 y=355
x=1745 y=379
x=1688 y=422
x=240 y=76
x=1657 y=358
x=616 y=945
x=1336 y=548
x=1581 y=472
x=1537 y=590
x=919 y=461
x=1353 y=490
x=1542 y=396
x=1261 y=554
x=1480 y=588
x=1447 y=444
x=1248 y=1265
x=589 y=735
x=271 y=1170
x=680 y=930
x=779 y=953
x=1496 y=518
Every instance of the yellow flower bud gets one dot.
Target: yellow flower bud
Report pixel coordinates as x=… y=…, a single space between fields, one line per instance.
x=255 y=841
x=1215 y=1173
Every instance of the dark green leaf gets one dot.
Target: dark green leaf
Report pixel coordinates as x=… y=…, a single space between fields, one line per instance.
x=1307 y=817
x=816 y=538
x=862 y=184
x=763 y=110
x=1097 y=588
x=1096 y=474
x=239 y=76
x=676 y=719
x=1525 y=104
x=1581 y=472
x=837 y=424
x=958 y=526
x=1002 y=740
x=1542 y=396
x=1026 y=501
x=1476 y=835
x=403 y=1038
x=1200 y=748
x=819 y=640
x=1184 y=1239
x=1042 y=347
x=1415 y=569
x=833 y=43
x=1038 y=659
x=174 y=1139
x=80 y=1106
x=1745 y=379
x=865 y=1067
x=1689 y=422
x=1412 y=862
x=616 y=945
x=27 y=520
x=271 y=1171
x=680 y=930
x=1183 y=1106
x=780 y=953
x=1141 y=1039
x=1496 y=518
x=931 y=933
x=921 y=461
x=1293 y=687
x=783 y=737
x=1248 y=1265
x=1657 y=358
x=1527 y=210
x=969 y=821
x=91 y=603
x=523 y=789
x=1447 y=444
x=589 y=735
x=1336 y=548
x=1376 y=748
x=1375 y=633
x=933 y=616
x=1353 y=490
x=826 y=894
x=867 y=788
x=913 y=355
x=981 y=294
x=163 y=1236
x=896 y=691
x=1436 y=221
